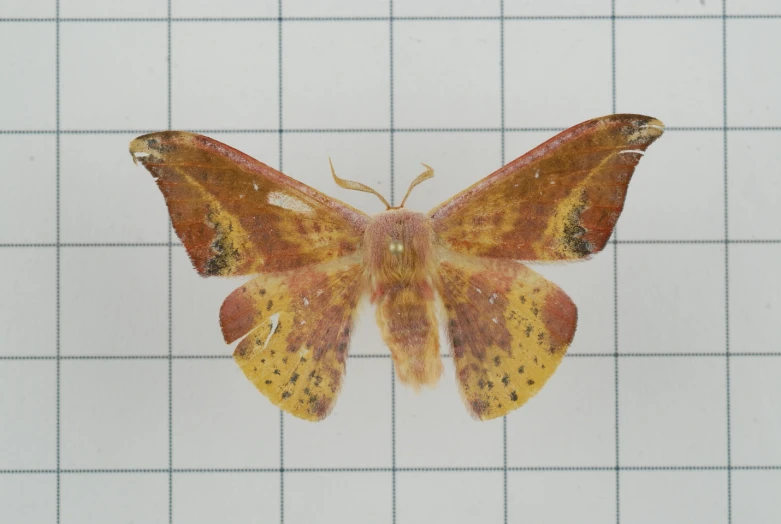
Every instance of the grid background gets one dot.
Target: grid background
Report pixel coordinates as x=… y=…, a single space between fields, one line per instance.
x=119 y=400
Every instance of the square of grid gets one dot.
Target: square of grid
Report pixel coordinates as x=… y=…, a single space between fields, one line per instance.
x=673 y=411
x=362 y=414
x=29 y=98
x=446 y=74
x=674 y=497
x=28 y=9
x=753 y=7
x=28 y=498
x=754 y=72
x=205 y=55
x=574 y=8
x=329 y=497
x=336 y=8
x=755 y=496
x=667 y=8
x=335 y=75
x=579 y=399
x=28 y=400
x=94 y=498
x=683 y=174
x=113 y=75
x=114 y=414
x=114 y=301
x=680 y=91
x=754 y=298
x=363 y=157
x=458 y=159
x=28 y=200
x=427 y=420
x=589 y=283
x=224 y=9
x=423 y=497
x=104 y=196
x=755 y=397
x=206 y=498
x=28 y=313
x=113 y=9
x=754 y=189
x=575 y=58
x=671 y=298
x=446 y=8
x=538 y=496
x=220 y=420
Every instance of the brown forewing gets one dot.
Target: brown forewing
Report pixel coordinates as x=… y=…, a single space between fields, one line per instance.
x=238 y=216
x=560 y=201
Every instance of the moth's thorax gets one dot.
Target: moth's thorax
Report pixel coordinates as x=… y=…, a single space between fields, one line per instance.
x=398 y=244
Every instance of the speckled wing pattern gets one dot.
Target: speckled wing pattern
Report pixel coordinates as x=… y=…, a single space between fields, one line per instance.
x=508 y=327
x=299 y=327
x=238 y=216
x=559 y=201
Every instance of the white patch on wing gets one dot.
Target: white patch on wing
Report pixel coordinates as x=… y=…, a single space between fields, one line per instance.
x=274 y=323
x=631 y=151
x=306 y=301
x=279 y=199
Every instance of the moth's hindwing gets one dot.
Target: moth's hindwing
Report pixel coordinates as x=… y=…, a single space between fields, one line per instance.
x=299 y=328
x=508 y=327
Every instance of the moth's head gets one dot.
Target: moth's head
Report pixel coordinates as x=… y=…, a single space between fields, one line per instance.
x=357 y=186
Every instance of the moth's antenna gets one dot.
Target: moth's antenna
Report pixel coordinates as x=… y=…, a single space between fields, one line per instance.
x=425 y=175
x=356 y=186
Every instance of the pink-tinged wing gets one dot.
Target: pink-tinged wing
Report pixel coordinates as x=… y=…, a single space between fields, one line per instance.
x=297 y=328
x=508 y=327
x=560 y=201
x=238 y=216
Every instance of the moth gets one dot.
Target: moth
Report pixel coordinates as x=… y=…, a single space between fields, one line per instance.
x=313 y=258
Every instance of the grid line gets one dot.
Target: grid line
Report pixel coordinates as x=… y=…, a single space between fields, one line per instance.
x=169 y=226
x=325 y=130
x=725 y=149
x=392 y=146
x=58 y=289
x=250 y=19
x=616 y=366
x=179 y=244
x=502 y=137
x=400 y=469
x=281 y=154
x=228 y=356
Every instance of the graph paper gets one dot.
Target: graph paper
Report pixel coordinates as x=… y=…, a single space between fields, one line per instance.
x=119 y=401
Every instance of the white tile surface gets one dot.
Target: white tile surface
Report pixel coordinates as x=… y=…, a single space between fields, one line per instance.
x=119 y=413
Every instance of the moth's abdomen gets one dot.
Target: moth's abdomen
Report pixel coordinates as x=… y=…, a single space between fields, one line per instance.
x=408 y=323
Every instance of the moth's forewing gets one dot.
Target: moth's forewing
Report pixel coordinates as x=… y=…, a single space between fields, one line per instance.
x=560 y=201
x=238 y=216
x=508 y=327
x=300 y=326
